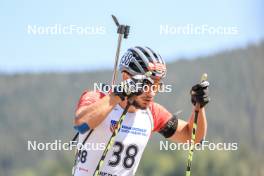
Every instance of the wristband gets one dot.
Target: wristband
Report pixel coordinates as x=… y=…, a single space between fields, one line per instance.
x=82 y=128
x=170 y=127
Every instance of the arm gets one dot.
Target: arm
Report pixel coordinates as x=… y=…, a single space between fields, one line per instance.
x=181 y=131
x=184 y=129
x=94 y=113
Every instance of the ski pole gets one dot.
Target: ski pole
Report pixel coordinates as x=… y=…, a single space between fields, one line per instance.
x=123 y=32
x=194 y=129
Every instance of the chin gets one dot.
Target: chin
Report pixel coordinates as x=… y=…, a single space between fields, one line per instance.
x=142 y=106
x=146 y=104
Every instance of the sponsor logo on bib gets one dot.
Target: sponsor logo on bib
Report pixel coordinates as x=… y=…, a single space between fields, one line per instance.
x=113 y=125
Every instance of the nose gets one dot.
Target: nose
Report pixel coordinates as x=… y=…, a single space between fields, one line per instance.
x=151 y=93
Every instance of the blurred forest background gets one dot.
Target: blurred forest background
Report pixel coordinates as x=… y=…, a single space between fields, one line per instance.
x=41 y=107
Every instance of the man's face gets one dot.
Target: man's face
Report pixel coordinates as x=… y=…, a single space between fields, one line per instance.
x=142 y=101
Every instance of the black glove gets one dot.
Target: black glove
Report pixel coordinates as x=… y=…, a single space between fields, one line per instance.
x=199 y=94
x=132 y=87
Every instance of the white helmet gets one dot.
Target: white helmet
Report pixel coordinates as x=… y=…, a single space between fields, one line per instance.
x=143 y=61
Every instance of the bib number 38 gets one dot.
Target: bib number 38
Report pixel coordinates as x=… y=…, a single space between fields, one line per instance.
x=129 y=158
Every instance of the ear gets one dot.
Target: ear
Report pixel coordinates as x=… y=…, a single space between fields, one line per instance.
x=125 y=75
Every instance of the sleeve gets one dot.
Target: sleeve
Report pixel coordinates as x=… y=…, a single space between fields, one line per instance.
x=160 y=116
x=89 y=97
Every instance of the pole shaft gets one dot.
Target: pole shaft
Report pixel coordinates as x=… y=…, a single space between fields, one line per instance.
x=191 y=150
x=114 y=77
x=111 y=141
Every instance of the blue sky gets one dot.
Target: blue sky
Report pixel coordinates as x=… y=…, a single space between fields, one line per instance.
x=22 y=52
